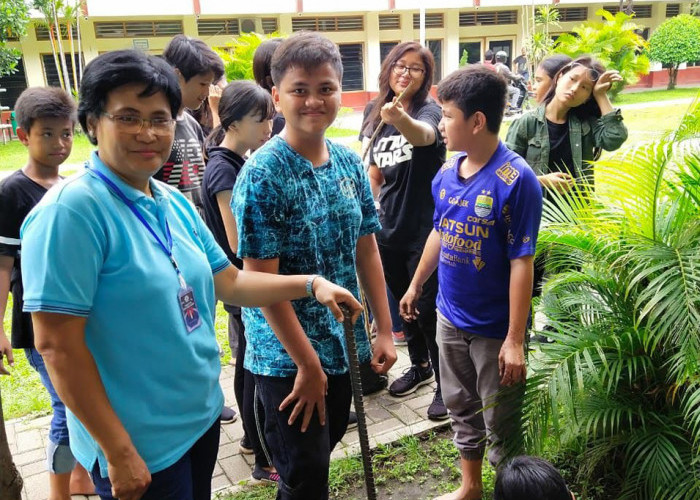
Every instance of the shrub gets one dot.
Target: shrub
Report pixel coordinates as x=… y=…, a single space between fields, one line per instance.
x=676 y=41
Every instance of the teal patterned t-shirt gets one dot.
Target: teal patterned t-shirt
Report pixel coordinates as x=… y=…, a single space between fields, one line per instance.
x=310 y=219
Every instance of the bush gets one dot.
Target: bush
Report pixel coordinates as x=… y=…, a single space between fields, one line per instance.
x=238 y=55
x=676 y=41
x=614 y=42
x=621 y=383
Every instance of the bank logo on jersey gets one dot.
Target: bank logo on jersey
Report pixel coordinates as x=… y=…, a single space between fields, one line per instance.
x=484 y=204
x=442 y=194
x=507 y=173
x=347 y=187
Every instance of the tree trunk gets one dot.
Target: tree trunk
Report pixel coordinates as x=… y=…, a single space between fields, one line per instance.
x=10 y=480
x=64 y=68
x=69 y=27
x=672 y=75
x=78 y=12
x=55 y=57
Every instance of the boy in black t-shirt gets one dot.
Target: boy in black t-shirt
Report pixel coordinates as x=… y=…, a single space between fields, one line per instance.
x=46 y=118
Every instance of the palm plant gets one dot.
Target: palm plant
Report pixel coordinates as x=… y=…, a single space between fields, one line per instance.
x=238 y=55
x=621 y=384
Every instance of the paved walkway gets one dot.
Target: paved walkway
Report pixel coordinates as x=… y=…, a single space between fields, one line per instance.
x=389 y=418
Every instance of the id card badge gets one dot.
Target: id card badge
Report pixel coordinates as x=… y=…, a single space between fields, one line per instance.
x=188 y=308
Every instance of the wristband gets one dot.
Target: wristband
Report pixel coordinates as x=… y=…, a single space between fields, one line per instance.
x=310 y=285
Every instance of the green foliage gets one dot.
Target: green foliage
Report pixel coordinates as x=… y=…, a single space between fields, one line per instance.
x=238 y=55
x=675 y=41
x=14 y=16
x=621 y=384
x=464 y=59
x=613 y=42
x=540 y=44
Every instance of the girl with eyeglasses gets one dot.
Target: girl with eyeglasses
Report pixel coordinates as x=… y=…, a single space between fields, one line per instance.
x=576 y=116
x=403 y=158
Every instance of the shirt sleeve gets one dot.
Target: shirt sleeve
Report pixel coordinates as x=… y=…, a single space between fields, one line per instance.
x=522 y=213
x=370 y=220
x=218 y=261
x=221 y=177
x=435 y=189
x=258 y=206
x=10 y=223
x=431 y=114
x=516 y=138
x=609 y=131
x=62 y=256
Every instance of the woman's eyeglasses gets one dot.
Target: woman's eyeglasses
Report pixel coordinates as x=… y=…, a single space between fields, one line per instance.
x=134 y=124
x=591 y=73
x=400 y=69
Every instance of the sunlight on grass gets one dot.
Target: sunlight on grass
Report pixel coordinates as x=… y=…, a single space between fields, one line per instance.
x=13 y=155
x=656 y=95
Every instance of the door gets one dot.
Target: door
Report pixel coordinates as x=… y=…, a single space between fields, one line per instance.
x=504 y=45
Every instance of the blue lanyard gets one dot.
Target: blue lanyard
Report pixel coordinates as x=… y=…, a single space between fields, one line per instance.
x=167 y=246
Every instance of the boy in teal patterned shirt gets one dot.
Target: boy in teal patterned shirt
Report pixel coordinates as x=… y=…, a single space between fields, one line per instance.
x=304 y=203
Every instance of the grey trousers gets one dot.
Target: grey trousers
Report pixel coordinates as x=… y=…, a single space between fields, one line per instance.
x=485 y=415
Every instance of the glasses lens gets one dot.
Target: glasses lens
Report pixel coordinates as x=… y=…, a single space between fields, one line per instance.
x=162 y=127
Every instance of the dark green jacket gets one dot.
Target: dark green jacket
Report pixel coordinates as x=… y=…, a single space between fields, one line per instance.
x=528 y=136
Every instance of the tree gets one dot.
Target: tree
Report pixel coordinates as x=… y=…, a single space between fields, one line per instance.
x=238 y=56
x=675 y=41
x=14 y=16
x=540 y=43
x=620 y=386
x=615 y=42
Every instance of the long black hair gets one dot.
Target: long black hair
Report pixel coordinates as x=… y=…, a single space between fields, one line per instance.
x=240 y=98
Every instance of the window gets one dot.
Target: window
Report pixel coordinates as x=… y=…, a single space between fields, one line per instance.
x=51 y=72
x=353 y=66
x=390 y=22
x=339 y=23
x=385 y=48
x=473 y=51
x=640 y=11
x=14 y=85
x=217 y=27
x=138 y=29
x=436 y=20
x=573 y=14
x=435 y=47
x=269 y=24
x=488 y=17
x=673 y=9
x=42 y=32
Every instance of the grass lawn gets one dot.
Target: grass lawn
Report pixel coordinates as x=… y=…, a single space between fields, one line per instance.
x=656 y=95
x=13 y=155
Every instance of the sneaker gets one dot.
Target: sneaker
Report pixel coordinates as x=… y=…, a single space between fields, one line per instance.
x=399 y=338
x=228 y=415
x=371 y=381
x=437 y=410
x=261 y=475
x=412 y=379
x=352 y=421
x=244 y=446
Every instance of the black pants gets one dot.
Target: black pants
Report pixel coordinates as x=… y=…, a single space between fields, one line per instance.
x=302 y=458
x=187 y=479
x=399 y=268
x=252 y=410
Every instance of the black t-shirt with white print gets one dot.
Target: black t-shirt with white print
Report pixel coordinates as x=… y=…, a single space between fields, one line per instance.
x=406 y=203
x=18 y=195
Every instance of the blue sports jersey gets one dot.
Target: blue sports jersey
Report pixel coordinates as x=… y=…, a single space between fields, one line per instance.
x=309 y=218
x=484 y=222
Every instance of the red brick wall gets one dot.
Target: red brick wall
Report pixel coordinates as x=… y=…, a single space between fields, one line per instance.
x=659 y=79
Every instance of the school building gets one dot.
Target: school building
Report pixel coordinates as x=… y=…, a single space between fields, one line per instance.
x=365 y=31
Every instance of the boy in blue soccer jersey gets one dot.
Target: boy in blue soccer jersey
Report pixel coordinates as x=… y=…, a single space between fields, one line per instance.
x=488 y=205
x=302 y=202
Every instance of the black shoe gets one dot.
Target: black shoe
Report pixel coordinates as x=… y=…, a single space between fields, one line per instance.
x=352 y=421
x=371 y=381
x=244 y=445
x=437 y=410
x=228 y=415
x=412 y=379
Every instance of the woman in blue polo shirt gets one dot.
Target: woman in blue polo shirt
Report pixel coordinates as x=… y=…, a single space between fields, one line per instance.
x=121 y=278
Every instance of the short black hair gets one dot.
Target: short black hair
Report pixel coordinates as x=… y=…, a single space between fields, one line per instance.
x=192 y=57
x=44 y=102
x=476 y=88
x=529 y=478
x=121 y=67
x=488 y=55
x=306 y=50
x=262 y=60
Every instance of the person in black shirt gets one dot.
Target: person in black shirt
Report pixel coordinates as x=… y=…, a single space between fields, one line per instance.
x=403 y=159
x=263 y=75
x=246 y=112
x=46 y=118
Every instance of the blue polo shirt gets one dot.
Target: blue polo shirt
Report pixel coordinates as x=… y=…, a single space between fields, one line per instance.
x=484 y=222
x=84 y=253
x=309 y=218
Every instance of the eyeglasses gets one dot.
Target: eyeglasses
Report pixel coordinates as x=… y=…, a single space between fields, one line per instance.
x=134 y=124
x=400 y=69
x=591 y=73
